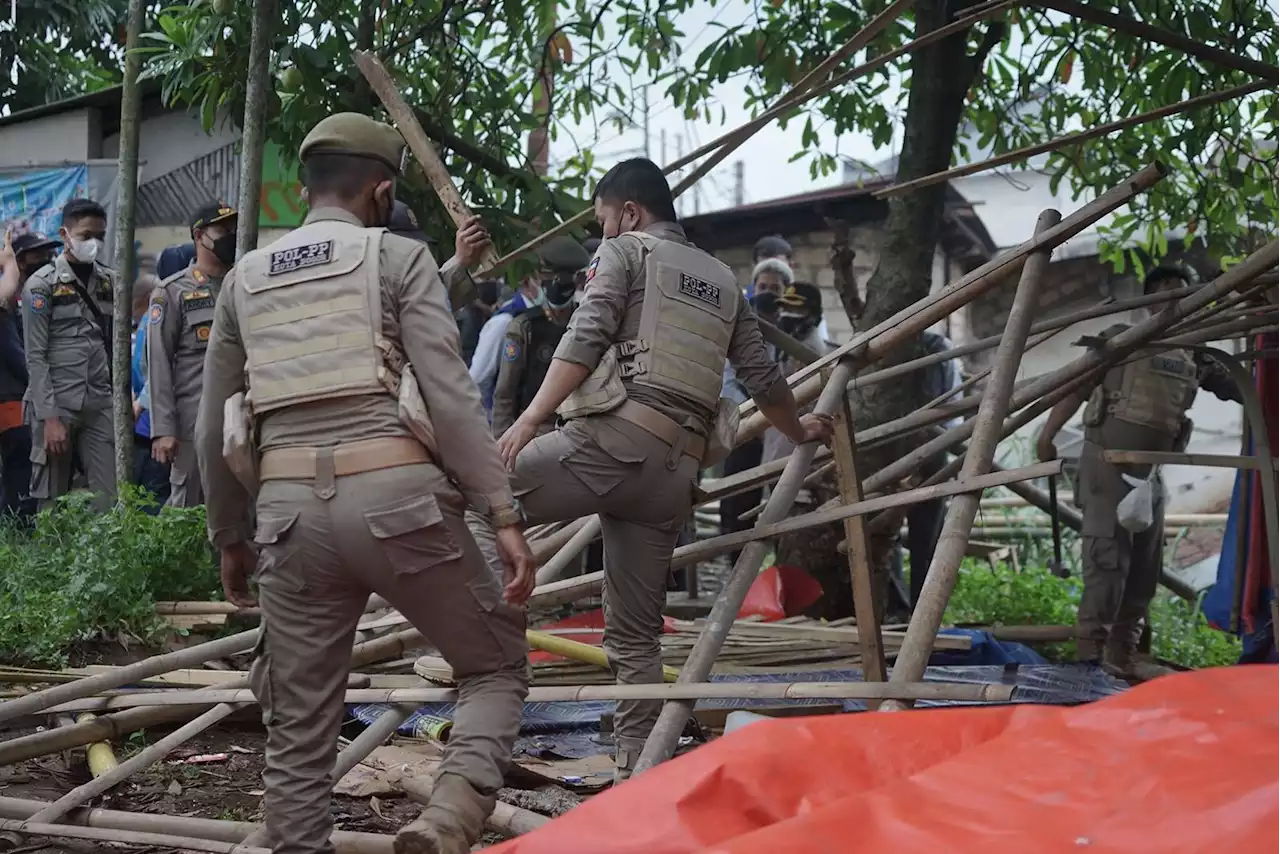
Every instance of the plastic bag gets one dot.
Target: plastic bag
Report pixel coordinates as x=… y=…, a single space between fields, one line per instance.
x=1136 y=511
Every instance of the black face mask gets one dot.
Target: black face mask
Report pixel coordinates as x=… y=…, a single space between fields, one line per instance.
x=30 y=268
x=796 y=327
x=559 y=292
x=224 y=249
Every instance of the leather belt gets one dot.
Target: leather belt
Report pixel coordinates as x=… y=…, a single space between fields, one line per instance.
x=652 y=421
x=350 y=458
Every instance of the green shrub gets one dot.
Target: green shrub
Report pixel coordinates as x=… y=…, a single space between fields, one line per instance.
x=1035 y=596
x=81 y=576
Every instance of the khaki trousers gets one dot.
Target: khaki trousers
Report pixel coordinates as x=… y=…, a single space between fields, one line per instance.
x=90 y=433
x=185 y=487
x=643 y=491
x=1120 y=568
x=325 y=546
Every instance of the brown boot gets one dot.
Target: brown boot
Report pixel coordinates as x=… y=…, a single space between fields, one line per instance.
x=452 y=821
x=624 y=761
x=1117 y=658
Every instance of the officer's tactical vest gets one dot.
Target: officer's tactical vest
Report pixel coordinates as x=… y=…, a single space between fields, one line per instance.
x=311 y=305
x=686 y=322
x=1155 y=391
x=544 y=335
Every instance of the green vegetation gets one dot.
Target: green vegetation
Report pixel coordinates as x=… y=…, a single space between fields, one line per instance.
x=80 y=576
x=1035 y=596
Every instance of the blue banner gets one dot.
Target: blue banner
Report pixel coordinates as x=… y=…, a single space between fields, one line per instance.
x=32 y=201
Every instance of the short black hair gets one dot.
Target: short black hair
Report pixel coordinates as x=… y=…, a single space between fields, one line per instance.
x=1164 y=272
x=771 y=246
x=638 y=180
x=342 y=175
x=78 y=209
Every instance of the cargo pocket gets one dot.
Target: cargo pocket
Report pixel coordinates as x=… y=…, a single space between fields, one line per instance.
x=603 y=457
x=413 y=534
x=39 y=468
x=260 y=675
x=272 y=537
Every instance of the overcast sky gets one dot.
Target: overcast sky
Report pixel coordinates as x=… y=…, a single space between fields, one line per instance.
x=767 y=173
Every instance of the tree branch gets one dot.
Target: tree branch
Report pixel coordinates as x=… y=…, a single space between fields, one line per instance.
x=990 y=41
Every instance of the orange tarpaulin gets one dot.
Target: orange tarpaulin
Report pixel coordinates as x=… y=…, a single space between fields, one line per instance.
x=1187 y=763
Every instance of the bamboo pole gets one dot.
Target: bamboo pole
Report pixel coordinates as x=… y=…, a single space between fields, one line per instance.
x=662 y=740
x=584 y=652
x=345 y=841
x=128 y=837
x=1053 y=325
x=870 y=644
x=926 y=616
x=99 y=755
x=669 y=691
x=1195 y=103
x=875 y=343
x=556 y=565
x=129 y=674
x=423 y=151
x=125 y=226
x=1177 y=41
x=143 y=759
x=872 y=28
x=120 y=724
x=1168 y=458
x=253 y=143
x=202 y=608
x=546 y=547
x=506 y=819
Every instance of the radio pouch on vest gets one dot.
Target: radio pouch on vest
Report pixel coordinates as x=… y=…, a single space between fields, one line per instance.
x=237 y=442
x=602 y=391
x=723 y=433
x=413 y=411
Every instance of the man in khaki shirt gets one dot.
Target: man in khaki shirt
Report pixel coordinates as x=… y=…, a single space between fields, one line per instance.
x=351 y=503
x=636 y=463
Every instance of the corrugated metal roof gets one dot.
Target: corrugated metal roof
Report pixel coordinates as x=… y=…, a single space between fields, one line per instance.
x=170 y=199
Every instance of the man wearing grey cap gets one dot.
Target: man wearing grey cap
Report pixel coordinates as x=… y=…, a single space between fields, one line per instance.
x=319 y=331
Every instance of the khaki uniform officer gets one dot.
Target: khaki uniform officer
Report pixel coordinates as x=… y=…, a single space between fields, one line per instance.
x=179 y=322
x=66 y=323
x=1139 y=406
x=638 y=377
x=352 y=502
x=534 y=334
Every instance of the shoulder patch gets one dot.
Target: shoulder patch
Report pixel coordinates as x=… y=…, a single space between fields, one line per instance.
x=511 y=350
x=156 y=313
x=300 y=257
x=39 y=303
x=700 y=290
x=592 y=267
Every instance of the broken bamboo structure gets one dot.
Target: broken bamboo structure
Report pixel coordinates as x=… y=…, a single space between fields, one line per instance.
x=915 y=651
x=873 y=344
x=1208 y=99
x=954 y=539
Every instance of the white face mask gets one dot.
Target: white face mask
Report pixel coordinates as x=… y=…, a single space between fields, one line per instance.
x=85 y=251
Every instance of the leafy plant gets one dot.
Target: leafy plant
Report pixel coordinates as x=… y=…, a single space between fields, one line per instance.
x=1035 y=596
x=80 y=576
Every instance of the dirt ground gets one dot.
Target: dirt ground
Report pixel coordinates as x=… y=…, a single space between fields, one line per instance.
x=217 y=775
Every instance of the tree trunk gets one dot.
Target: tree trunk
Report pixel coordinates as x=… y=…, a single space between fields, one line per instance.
x=126 y=257
x=255 y=124
x=941 y=75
